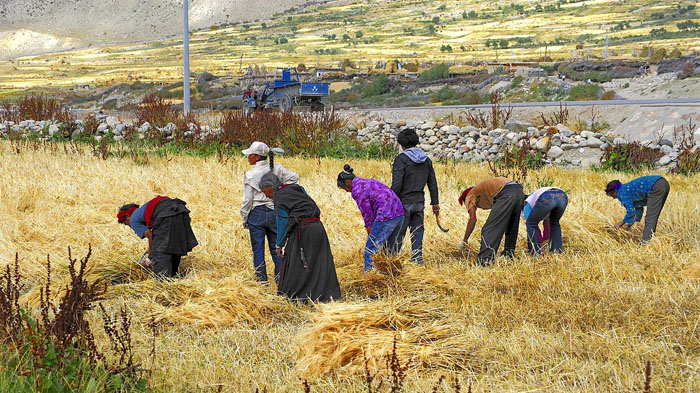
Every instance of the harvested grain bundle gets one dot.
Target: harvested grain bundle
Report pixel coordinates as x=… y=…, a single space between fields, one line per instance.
x=118 y=271
x=114 y=271
x=165 y=293
x=413 y=280
x=425 y=336
x=232 y=301
x=390 y=265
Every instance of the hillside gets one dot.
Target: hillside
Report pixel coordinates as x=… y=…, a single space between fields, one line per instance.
x=61 y=24
x=368 y=34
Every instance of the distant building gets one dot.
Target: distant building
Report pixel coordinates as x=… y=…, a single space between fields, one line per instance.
x=81 y=86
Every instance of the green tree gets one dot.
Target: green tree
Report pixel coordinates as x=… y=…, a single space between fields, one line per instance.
x=359 y=34
x=380 y=85
x=436 y=20
x=442 y=8
x=688 y=25
x=504 y=43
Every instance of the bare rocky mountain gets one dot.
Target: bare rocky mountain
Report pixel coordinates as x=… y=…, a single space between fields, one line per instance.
x=36 y=26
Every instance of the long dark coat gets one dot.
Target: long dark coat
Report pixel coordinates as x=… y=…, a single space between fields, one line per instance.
x=308 y=271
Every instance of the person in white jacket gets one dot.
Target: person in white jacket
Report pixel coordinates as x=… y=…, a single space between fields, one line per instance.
x=257 y=210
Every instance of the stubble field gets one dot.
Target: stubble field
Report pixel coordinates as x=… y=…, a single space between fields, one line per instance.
x=586 y=320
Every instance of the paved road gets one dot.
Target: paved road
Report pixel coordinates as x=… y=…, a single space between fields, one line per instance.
x=659 y=102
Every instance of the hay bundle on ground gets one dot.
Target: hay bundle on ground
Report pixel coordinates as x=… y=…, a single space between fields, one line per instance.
x=341 y=333
x=412 y=280
x=193 y=302
x=115 y=271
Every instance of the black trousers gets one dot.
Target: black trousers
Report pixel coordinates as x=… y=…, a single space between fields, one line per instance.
x=504 y=218
x=165 y=265
x=655 y=202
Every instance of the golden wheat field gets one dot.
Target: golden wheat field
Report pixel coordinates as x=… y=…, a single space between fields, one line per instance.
x=584 y=321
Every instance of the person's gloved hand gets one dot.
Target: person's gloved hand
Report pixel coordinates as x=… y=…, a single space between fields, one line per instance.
x=146 y=262
x=463 y=246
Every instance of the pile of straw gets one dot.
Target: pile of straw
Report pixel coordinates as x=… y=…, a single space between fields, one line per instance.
x=188 y=303
x=343 y=335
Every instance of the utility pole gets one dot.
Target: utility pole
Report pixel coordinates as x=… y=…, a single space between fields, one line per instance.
x=186 y=55
x=606 y=43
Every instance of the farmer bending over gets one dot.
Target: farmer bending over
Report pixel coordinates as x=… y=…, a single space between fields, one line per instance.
x=650 y=191
x=166 y=224
x=545 y=205
x=308 y=272
x=411 y=171
x=381 y=210
x=505 y=199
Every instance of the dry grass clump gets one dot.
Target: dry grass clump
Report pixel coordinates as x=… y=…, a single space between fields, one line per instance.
x=342 y=332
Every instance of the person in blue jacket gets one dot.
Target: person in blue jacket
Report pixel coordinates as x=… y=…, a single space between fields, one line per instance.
x=649 y=191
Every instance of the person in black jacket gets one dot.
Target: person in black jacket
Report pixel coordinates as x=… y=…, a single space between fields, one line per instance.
x=411 y=171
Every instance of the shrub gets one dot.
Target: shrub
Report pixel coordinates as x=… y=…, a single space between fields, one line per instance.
x=687 y=71
x=629 y=157
x=514 y=162
x=56 y=352
x=437 y=72
x=658 y=55
x=35 y=107
x=298 y=132
x=585 y=92
x=379 y=86
x=446 y=95
x=516 y=82
x=496 y=118
x=156 y=111
x=600 y=77
x=688 y=162
x=608 y=95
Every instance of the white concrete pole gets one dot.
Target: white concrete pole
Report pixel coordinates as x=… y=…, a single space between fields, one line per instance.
x=186 y=56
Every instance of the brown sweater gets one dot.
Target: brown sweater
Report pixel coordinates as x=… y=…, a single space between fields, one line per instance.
x=483 y=193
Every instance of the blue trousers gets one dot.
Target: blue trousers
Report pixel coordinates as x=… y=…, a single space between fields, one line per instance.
x=552 y=203
x=262 y=223
x=383 y=236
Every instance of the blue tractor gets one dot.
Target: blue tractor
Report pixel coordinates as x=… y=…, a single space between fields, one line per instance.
x=285 y=92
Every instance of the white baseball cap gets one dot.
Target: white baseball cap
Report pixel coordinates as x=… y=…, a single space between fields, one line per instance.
x=258 y=148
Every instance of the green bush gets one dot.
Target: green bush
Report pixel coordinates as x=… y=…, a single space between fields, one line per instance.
x=516 y=82
x=379 y=86
x=437 y=72
x=595 y=76
x=585 y=92
x=629 y=157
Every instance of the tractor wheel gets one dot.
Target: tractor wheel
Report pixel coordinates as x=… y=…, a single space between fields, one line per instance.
x=286 y=103
x=316 y=106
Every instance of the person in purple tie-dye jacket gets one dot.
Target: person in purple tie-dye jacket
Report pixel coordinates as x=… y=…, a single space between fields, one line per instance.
x=381 y=210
